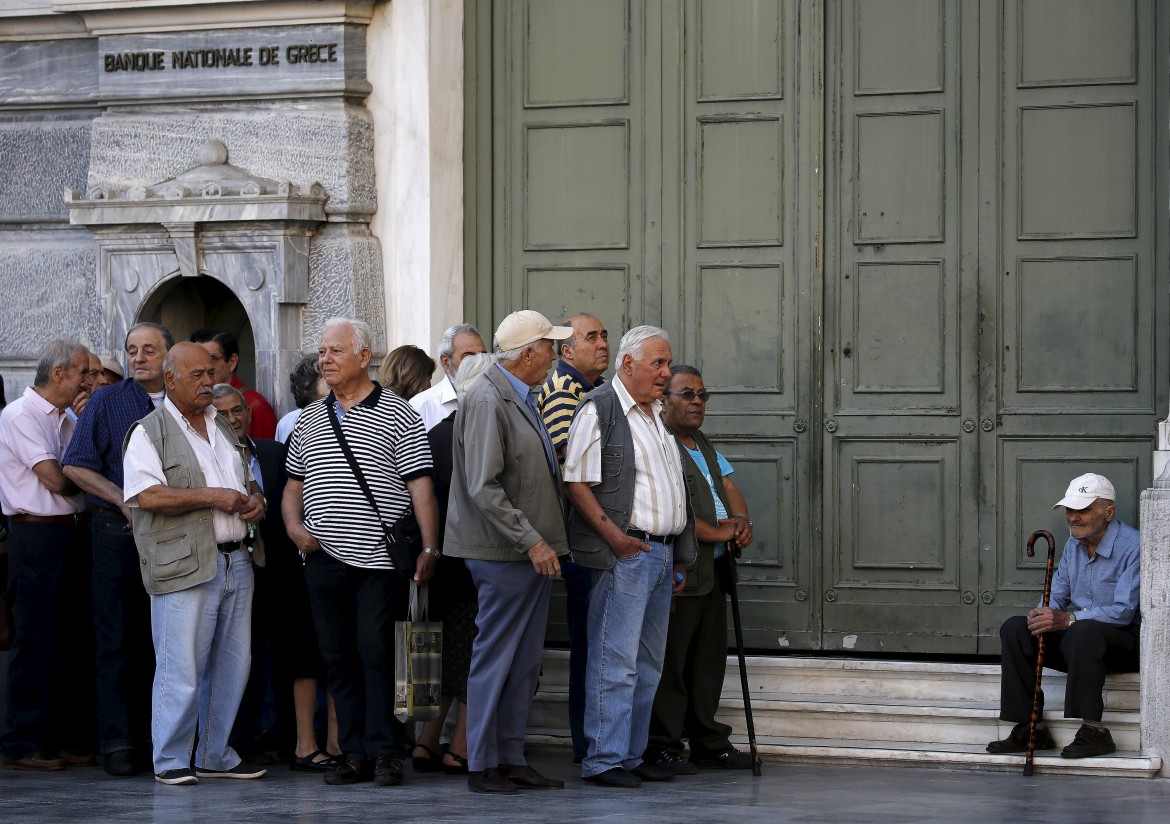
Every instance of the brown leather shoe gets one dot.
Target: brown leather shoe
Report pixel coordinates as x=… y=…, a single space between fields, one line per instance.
x=522 y=775
x=79 y=759
x=40 y=762
x=1089 y=742
x=1018 y=741
x=490 y=781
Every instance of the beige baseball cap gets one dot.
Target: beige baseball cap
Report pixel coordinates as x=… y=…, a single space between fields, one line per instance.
x=110 y=362
x=525 y=327
x=1085 y=489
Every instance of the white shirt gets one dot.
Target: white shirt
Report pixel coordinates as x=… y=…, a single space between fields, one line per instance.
x=284 y=426
x=435 y=404
x=659 y=490
x=33 y=430
x=219 y=461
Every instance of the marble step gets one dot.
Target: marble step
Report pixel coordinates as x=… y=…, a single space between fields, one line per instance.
x=888 y=712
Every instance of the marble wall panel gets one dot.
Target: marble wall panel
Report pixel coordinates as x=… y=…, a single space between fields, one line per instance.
x=41 y=156
x=324 y=141
x=345 y=280
x=46 y=71
x=50 y=290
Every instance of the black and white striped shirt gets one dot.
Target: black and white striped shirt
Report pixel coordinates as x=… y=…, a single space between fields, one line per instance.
x=387 y=439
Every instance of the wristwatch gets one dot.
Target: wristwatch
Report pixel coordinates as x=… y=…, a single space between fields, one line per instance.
x=1072 y=617
x=430 y=550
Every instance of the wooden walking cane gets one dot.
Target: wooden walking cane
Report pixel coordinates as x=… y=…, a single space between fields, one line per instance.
x=1037 y=707
x=733 y=590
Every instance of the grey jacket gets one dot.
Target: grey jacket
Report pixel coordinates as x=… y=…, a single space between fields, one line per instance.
x=505 y=498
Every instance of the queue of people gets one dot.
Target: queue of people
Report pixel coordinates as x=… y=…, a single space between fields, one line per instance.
x=182 y=583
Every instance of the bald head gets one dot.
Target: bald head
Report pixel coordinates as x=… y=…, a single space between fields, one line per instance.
x=189 y=373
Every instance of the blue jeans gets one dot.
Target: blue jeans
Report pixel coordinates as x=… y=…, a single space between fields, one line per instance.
x=629 y=610
x=202 y=649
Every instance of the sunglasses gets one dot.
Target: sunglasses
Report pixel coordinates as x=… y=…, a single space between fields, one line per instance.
x=689 y=395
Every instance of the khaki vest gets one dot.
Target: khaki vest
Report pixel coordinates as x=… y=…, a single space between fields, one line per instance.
x=178 y=552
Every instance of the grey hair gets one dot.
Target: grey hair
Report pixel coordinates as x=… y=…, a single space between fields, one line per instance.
x=167 y=337
x=571 y=340
x=513 y=355
x=58 y=352
x=222 y=389
x=362 y=338
x=446 y=347
x=636 y=338
x=471 y=368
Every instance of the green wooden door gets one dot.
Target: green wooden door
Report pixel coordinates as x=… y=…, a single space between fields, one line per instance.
x=914 y=245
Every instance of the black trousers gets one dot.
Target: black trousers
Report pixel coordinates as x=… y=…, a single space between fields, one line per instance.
x=1087 y=651
x=692 y=672
x=354 y=610
x=122 y=639
x=50 y=666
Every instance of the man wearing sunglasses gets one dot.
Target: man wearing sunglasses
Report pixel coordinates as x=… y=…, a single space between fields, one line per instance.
x=696 y=642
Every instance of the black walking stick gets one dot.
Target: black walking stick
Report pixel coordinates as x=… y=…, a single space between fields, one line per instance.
x=1037 y=694
x=732 y=590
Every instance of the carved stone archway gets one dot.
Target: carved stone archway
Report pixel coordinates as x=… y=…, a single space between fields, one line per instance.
x=215 y=220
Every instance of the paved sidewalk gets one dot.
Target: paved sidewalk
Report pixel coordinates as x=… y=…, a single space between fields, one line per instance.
x=785 y=792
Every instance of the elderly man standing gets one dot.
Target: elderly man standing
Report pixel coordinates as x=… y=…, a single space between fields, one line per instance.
x=584 y=356
x=1091 y=625
x=353 y=587
x=506 y=519
x=46 y=544
x=194 y=505
x=121 y=610
x=631 y=523
x=696 y=643
x=440 y=401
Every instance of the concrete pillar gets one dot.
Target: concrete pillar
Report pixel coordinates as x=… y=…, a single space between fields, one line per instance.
x=1155 y=606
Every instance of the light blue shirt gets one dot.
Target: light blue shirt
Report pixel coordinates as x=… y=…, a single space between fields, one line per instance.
x=1105 y=587
x=725 y=469
x=527 y=399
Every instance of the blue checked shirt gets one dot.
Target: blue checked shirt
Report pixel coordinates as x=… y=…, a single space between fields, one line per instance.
x=97 y=440
x=1102 y=588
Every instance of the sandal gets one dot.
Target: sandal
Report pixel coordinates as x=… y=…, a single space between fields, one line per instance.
x=432 y=763
x=455 y=769
x=309 y=763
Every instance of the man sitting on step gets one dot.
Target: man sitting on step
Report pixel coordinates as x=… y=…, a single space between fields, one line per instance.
x=1091 y=627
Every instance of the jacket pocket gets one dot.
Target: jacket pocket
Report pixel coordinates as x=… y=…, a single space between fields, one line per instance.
x=611 y=468
x=173 y=554
x=177 y=475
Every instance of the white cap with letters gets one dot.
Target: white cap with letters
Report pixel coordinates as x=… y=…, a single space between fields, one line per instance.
x=1085 y=489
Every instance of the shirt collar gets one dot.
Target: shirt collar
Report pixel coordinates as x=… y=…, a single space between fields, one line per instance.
x=446 y=390
x=1105 y=548
x=370 y=400
x=209 y=414
x=566 y=369
x=522 y=389
x=627 y=400
x=39 y=402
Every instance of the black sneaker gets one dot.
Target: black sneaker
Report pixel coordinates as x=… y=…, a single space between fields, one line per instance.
x=1018 y=741
x=120 y=763
x=728 y=759
x=615 y=777
x=1089 y=742
x=388 y=771
x=648 y=772
x=349 y=772
x=238 y=771
x=183 y=776
x=669 y=761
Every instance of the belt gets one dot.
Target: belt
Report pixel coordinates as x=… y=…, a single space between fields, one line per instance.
x=60 y=520
x=646 y=537
x=230 y=546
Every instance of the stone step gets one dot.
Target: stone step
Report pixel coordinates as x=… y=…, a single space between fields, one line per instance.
x=886 y=712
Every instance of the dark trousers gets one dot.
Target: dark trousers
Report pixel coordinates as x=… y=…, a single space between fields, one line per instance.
x=578 y=584
x=1087 y=651
x=692 y=672
x=122 y=638
x=354 y=611
x=269 y=675
x=50 y=665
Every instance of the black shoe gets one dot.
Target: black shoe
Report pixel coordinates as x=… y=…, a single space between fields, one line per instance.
x=648 y=772
x=239 y=771
x=1089 y=742
x=490 y=781
x=121 y=763
x=180 y=776
x=309 y=763
x=526 y=777
x=388 y=771
x=728 y=759
x=349 y=772
x=615 y=777
x=1018 y=741
x=669 y=761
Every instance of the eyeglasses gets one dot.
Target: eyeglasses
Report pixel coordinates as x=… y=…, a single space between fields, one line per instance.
x=689 y=395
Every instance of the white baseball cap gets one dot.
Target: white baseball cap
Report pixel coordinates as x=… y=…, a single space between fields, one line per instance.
x=1085 y=489
x=525 y=327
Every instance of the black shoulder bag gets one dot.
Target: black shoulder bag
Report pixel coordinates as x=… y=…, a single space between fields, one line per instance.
x=404 y=539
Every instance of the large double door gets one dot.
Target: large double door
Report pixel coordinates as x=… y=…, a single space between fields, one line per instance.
x=916 y=247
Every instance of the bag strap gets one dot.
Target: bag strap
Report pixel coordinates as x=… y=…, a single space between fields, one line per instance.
x=353 y=464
